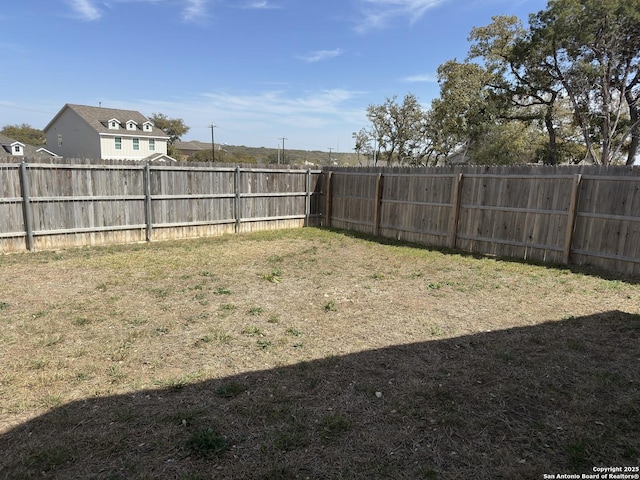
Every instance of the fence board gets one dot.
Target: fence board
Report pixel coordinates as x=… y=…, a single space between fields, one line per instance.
x=352 y=202
x=608 y=224
x=523 y=212
x=75 y=203
x=417 y=208
x=514 y=215
x=12 y=225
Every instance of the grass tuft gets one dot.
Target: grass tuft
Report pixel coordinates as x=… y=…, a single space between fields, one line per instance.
x=252 y=331
x=274 y=276
x=334 y=424
x=206 y=442
x=330 y=306
x=230 y=390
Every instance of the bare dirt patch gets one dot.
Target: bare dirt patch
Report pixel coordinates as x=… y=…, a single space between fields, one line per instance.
x=311 y=354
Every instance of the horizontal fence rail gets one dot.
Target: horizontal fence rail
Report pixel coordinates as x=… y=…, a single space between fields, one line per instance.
x=44 y=206
x=563 y=215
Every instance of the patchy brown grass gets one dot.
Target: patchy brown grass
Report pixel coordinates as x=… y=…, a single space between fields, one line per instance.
x=311 y=354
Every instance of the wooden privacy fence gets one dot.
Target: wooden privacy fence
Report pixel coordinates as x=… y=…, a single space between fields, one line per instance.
x=45 y=206
x=582 y=215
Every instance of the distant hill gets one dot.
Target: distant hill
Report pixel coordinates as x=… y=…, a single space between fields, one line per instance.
x=201 y=151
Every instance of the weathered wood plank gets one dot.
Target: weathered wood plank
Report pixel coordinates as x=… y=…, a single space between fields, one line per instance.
x=506 y=211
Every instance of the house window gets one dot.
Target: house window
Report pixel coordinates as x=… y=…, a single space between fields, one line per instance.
x=152 y=144
x=59 y=139
x=136 y=144
x=114 y=125
x=118 y=143
x=16 y=149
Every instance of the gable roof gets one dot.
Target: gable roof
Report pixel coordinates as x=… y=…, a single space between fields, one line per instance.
x=99 y=117
x=160 y=157
x=7 y=141
x=28 y=150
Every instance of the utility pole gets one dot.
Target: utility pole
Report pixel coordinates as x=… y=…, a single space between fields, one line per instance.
x=330 y=155
x=283 y=139
x=375 y=151
x=213 y=148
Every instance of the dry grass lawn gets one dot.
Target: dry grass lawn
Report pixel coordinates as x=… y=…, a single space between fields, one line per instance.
x=311 y=354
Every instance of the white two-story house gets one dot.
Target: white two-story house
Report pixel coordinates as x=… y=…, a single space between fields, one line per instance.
x=80 y=131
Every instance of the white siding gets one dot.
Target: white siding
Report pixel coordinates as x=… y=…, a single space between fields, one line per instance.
x=17 y=149
x=109 y=151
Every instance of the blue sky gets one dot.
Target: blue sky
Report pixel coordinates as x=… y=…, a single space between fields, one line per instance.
x=259 y=69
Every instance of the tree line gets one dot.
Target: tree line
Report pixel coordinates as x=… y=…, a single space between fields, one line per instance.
x=563 y=89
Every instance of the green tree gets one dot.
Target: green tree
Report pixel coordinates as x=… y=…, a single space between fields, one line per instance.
x=592 y=49
x=362 y=142
x=230 y=155
x=174 y=127
x=463 y=112
x=508 y=143
x=25 y=133
x=202 y=156
x=398 y=129
x=518 y=76
x=477 y=118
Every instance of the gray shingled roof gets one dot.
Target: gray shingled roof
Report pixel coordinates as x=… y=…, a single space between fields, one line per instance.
x=98 y=117
x=29 y=150
x=194 y=145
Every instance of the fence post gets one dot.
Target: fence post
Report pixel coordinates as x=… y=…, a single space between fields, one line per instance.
x=455 y=210
x=307 y=205
x=328 y=193
x=147 y=201
x=236 y=180
x=26 y=205
x=571 y=218
x=378 y=204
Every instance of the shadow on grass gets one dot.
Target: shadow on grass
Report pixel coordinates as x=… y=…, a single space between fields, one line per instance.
x=560 y=397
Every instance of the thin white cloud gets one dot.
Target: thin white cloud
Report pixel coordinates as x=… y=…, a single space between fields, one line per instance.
x=262 y=117
x=422 y=78
x=377 y=14
x=85 y=9
x=269 y=106
x=276 y=102
x=194 y=11
x=311 y=110
x=260 y=5
x=321 y=55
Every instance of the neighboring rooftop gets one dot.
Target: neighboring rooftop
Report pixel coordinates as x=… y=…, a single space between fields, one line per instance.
x=8 y=148
x=99 y=118
x=193 y=145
